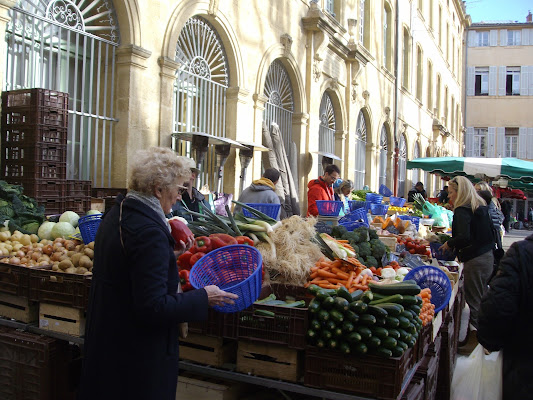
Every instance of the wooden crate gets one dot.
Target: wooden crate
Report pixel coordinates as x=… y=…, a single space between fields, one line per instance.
x=68 y=320
x=389 y=241
x=203 y=388
x=268 y=360
x=18 y=308
x=208 y=350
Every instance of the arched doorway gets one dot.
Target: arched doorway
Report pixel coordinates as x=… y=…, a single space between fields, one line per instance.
x=402 y=165
x=360 y=151
x=326 y=130
x=70 y=46
x=200 y=89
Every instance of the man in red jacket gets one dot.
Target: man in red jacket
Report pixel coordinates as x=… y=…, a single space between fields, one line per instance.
x=321 y=188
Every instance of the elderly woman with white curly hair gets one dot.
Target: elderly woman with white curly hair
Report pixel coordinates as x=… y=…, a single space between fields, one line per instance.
x=131 y=339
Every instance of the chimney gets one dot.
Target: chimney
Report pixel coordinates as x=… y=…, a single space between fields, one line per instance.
x=529 y=17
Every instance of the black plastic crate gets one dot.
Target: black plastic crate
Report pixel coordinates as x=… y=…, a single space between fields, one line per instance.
x=14 y=279
x=102 y=193
x=36 y=98
x=52 y=206
x=26 y=170
x=287 y=327
x=47 y=152
x=78 y=189
x=32 y=134
x=35 y=116
x=381 y=378
x=423 y=342
x=428 y=370
x=55 y=287
x=42 y=189
x=33 y=367
x=217 y=324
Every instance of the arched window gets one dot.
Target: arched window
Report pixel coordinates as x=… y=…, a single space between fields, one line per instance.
x=364 y=26
x=360 y=152
x=326 y=133
x=402 y=166
x=406 y=54
x=280 y=105
x=383 y=159
x=437 y=97
x=69 y=46
x=387 y=37
x=200 y=87
x=430 y=86
x=419 y=73
x=416 y=172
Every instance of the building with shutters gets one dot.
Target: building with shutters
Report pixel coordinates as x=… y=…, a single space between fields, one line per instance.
x=140 y=73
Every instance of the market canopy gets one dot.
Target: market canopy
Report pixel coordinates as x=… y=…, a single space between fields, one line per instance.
x=512 y=169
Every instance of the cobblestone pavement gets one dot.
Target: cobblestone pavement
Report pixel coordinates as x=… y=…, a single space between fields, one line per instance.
x=514 y=235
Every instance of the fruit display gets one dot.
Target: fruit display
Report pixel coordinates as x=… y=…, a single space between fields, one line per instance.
x=397 y=209
x=415 y=246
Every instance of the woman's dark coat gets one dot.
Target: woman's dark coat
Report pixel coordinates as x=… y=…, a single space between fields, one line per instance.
x=131 y=338
x=506 y=319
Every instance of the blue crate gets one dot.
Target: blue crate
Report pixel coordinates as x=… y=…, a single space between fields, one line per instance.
x=397 y=201
x=379 y=209
x=88 y=227
x=385 y=191
x=374 y=198
x=235 y=269
x=414 y=220
x=270 y=209
x=351 y=226
x=358 y=215
x=329 y=208
x=434 y=279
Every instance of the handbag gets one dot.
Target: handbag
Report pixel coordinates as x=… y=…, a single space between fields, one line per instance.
x=183 y=326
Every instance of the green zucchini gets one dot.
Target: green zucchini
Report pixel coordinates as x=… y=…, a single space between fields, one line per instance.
x=320 y=343
x=312 y=335
x=367 y=319
x=404 y=335
x=377 y=311
x=336 y=316
x=314 y=306
x=367 y=296
x=344 y=348
x=411 y=343
x=408 y=300
x=326 y=335
x=360 y=348
x=328 y=303
x=413 y=313
x=264 y=313
x=379 y=332
x=338 y=332
x=358 y=306
x=294 y=304
x=402 y=344
x=397 y=351
x=314 y=324
x=351 y=316
x=356 y=295
x=381 y=321
x=364 y=331
x=342 y=292
x=330 y=325
x=378 y=296
x=411 y=328
x=392 y=322
x=404 y=322
x=394 y=333
x=314 y=289
x=408 y=315
x=373 y=342
x=395 y=298
x=354 y=337
x=389 y=343
x=332 y=344
x=416 y=309
x=392 y=309
x=382 y=352
x=341 y=304
x=322 y=294
x=395 y=288
x=270 y=297
x=347 y=327
x=323 y=315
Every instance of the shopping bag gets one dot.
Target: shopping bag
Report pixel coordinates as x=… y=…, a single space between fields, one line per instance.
x=478 y=376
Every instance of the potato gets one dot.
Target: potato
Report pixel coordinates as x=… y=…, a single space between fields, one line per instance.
x=4 y=236
x=88 y=273
x=65 y=264
x=70 y=253
x=76 y=259
x=25 y=240
x=81 y=270
x=54 y=268
x=71 y=270
x=89 y=252
x=91 y=245
x=53 y=279
x=70 y=245
x=85 y=262
x=34 y=238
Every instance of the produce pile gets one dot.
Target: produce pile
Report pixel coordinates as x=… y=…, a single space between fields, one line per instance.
x=384 y=321
x=19 y=211
x=365 y=242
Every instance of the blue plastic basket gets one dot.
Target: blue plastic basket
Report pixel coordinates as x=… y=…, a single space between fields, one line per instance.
x=385 y=191
x=358 y=215
x=379 y=209
x=88 y=227
x=397 y=201
x=374 y=198
x=351 y=226
x=235 y=269
x=414 y=220
x=355 y=204
x=439 y=254
x=270 y=209
x=329 y=208
x=434 y=279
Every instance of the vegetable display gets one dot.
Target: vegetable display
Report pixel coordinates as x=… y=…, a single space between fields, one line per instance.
x=383 y=321
x=365 y=242
x=21 y=211
x=340 y=273
x=179 y=231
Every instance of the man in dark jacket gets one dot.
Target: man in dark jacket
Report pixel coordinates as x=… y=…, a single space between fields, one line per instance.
x=443 y=195
x=506 y=319
x=322 y=188
x=419 y=188
x=261 y=191
x=191 y=200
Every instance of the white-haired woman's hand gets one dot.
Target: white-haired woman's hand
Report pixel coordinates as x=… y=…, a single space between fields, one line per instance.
x=181 y=247
x=218 y=297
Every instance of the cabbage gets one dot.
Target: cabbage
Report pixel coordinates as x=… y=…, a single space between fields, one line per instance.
x=45 y=230
x=62 y=229
x=71 y=217
x=92 y=212
x=31 y=227
x=6 y=209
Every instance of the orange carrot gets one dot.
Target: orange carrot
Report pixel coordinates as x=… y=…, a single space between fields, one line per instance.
x=343 y=241
x=350 y=279
x=340 y=273
x=328 y=286
x=314 y=274
x=365 y=280
x=326 y=274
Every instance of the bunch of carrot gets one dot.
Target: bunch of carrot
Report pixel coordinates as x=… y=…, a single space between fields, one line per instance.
x=332 y=274
x=427 y=312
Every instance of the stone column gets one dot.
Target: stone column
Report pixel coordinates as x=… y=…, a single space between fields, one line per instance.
x=131 y=107
x=167 y=74
x=300 y=122
x=5 y=6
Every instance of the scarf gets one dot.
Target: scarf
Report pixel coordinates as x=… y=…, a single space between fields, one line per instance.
x=151 y=201
x=266 y=182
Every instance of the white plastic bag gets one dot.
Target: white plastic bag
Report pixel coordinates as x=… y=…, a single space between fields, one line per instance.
x=478 y=376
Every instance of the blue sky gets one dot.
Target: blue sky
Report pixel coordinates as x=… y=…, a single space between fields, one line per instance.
x=498 y=10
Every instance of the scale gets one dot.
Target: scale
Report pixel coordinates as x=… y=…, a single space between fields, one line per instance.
x=200 y=142
x=245 y=156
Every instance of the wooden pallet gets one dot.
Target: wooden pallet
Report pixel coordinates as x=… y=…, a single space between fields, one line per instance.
x=268 y=360
x=208 y=350
x=68 y=320
x=18 y=308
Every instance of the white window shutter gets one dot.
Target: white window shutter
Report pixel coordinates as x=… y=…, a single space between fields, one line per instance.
x=503 y=37
x=531 y=37
x=500 y=142
x=470 y=81
x=493 y=37
x=472 y=39
x=522 y=143
x=529 y=132
x=493 y=71
x=525 y=37
x=469 y=141
x=501 y=81
x=491 y=138
x=530 y=79
x=524 y=80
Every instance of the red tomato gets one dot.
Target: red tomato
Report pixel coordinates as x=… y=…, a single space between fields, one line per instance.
x=373 y=269
x=412 y=251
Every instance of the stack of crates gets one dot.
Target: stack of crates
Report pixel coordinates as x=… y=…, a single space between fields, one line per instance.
x=34 y=144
